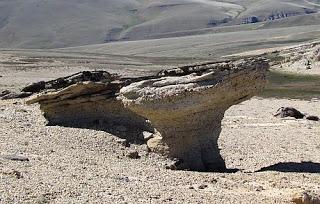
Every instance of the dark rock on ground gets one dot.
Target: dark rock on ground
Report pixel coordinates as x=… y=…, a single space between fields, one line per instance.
x=12 y=95
x=312 y=117
x=5 y=92
x=284 y=112
x=93 y=76
x=289 y=112
x=133 y=155
x=14 y=157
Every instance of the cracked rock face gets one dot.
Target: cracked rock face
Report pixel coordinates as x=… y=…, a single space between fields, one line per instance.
x=187 y=109
x=184 y=105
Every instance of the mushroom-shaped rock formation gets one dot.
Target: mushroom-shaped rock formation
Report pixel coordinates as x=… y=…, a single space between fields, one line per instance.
x=185 y=105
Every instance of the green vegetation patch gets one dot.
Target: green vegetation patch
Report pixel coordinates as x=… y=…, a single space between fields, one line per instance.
x=294 y=86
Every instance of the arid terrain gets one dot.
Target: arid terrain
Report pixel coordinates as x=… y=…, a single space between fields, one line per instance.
x=268 y=159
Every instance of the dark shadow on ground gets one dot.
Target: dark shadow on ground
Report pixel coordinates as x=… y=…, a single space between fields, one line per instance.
x=133 y=135
x=231 y=171
x=303 y=167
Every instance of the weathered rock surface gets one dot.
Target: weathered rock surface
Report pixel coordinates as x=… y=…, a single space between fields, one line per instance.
x=93 y=76
x=5 y=95
x=184 y=105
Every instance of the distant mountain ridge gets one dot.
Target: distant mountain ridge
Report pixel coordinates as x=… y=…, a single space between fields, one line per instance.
x=60 y=23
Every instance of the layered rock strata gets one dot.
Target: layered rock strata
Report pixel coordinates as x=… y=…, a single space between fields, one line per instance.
x=185 y=106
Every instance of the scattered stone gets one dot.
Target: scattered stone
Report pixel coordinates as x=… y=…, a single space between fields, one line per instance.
x=312 y=117
x=5 y=92
x=14 y=173
x=12 y=95
x=203 y=186
x=123 y=142
x=21 y=110
x=306 y=197
x=284 y=112
x=133 y=155
x=147 y=135
x=17 y=174
x=15 y=157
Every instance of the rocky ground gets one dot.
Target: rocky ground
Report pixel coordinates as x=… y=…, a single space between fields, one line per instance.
x=68 y=165
x=269 y=159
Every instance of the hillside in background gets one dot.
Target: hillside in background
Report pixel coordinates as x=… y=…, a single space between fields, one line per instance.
x=59 y=23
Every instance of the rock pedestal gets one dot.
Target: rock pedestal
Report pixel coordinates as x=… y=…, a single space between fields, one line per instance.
x=185 y=106
x=187 y=109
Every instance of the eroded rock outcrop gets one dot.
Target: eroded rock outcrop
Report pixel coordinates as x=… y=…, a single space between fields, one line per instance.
x=185 y=106
x=91 y=104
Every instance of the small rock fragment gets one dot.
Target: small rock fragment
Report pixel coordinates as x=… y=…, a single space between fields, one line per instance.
x=5 y=92
x=133 y=155
x=14 y=173
x=147 y=135
x=17 y=174
x=312 y=117
x=14 y=157
x=123 y=142
x=284 y=112
x=16 y=95
x=203 y=186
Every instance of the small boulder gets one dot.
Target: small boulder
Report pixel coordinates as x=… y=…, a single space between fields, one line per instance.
x=14 y=157
x=284 y=112
x=133 y=155
x=13 y=95
x=203 y=186
x=5 y=92
x=147 y=135
x=123 y=142
x=312 y=117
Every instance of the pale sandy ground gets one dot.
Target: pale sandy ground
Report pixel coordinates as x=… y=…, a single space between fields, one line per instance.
x=69 y=165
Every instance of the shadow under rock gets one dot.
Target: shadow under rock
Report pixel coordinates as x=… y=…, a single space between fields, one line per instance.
x=303 y=167
x=132 y=134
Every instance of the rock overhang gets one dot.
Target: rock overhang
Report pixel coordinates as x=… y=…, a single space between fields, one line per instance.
x=185 y=106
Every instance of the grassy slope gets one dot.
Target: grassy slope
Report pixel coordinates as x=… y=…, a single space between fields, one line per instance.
x=207 y=46
x=59 y=23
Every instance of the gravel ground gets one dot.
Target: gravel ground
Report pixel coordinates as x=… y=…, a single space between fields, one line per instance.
x=69 y=165
x=274 y=158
